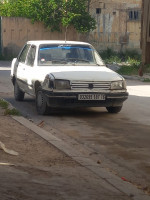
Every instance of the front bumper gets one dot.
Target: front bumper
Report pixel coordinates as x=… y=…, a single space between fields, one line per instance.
x=66 y=99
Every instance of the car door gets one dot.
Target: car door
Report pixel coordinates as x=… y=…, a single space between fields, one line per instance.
x=29 y=70
x=21 y=68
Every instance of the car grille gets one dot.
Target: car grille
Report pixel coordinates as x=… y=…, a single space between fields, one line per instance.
x=103 y=85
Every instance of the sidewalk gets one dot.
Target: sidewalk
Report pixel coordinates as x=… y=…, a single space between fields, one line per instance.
x=41 y=171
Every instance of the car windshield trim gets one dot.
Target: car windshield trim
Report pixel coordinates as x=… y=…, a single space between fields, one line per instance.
x=66 y=47
x=51 y=54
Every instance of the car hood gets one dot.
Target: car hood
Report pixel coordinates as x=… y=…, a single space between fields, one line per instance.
x=82 y=73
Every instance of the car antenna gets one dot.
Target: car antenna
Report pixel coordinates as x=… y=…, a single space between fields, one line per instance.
x=66 y=34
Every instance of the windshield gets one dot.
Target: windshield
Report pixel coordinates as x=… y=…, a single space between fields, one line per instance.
x=63 y=54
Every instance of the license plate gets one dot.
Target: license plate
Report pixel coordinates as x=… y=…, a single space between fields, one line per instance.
x=91 y=97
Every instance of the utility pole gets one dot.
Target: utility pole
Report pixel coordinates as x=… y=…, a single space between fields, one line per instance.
x=89 y=1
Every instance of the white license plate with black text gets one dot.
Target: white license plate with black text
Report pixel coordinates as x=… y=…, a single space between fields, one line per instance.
x=91 y=97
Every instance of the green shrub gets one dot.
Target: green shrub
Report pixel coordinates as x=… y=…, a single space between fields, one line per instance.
x=128 y=70
x=12 y=112
x=4 y=104
x=131 y=60
x=110 y=56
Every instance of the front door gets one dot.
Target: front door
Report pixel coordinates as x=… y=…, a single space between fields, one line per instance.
x=21 y=68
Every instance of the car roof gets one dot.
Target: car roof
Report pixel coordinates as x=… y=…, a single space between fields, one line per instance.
x=38 y=42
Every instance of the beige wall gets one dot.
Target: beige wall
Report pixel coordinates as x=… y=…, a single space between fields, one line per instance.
x=16 y=31
x=114 y=29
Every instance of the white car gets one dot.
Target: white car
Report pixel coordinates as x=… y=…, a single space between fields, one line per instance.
x=66 y=74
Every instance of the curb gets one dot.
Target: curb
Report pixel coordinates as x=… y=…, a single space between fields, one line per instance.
x=132 y=78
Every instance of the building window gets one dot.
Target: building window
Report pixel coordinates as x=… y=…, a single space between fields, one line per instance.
x=134 y=15
x=98 y=10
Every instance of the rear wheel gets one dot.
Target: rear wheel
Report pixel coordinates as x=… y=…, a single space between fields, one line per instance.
x=114 y=109
x=18 y=94
x=41 y=103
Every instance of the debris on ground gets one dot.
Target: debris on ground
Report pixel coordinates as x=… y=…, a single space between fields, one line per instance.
x=123 y=178
x=11 y=152
x=41 y=124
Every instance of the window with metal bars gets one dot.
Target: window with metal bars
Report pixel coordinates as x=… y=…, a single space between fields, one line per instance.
x=134 y=14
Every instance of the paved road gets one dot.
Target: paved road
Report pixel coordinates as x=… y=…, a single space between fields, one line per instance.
x=118 y=142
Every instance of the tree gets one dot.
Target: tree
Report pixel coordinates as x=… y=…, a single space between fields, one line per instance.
x=53 y=13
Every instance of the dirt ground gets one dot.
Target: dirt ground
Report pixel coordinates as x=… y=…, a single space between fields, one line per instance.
x=42 y=172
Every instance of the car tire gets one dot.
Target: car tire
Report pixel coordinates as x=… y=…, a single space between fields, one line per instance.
x=114 y=109
x=41 y=103
x=18 y=93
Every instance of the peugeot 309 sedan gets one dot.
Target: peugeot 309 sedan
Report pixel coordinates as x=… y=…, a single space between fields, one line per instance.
x=66 y=74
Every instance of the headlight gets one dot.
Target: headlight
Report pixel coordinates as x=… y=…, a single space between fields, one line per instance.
x=62 y=84
x=49 y=81
x=117 y=85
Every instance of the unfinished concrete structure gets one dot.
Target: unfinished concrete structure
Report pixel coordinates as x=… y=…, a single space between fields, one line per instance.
x=118 y=24
x=145 y=36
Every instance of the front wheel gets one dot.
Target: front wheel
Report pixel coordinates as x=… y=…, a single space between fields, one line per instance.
x=41 y=103
x=18 y=94
x=114 y=109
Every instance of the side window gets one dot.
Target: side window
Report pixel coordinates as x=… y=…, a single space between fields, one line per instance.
x=31 y=56
x=23 y=54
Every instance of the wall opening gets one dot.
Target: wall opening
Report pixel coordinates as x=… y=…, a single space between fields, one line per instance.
x=98 y=10
x=134 y=15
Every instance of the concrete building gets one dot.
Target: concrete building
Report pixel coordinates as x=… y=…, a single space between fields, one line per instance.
x=118 y=24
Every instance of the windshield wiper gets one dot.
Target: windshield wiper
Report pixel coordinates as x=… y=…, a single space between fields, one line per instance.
x=78 y=60
x=82 y=60
x=59 y=61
